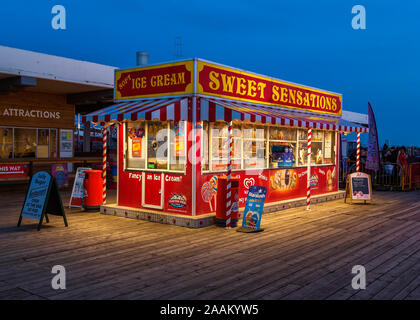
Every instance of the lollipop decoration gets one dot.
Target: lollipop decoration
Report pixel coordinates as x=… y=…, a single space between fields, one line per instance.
x=209 y=190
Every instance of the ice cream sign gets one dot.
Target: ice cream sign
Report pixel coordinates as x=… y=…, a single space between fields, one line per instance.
x=254 y=207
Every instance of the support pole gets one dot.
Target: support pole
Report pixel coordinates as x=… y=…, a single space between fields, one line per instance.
x=358 y=153
x=308 y=173
x=229 y=174
x=104 y=133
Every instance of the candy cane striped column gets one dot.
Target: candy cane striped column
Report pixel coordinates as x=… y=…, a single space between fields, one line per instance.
x=358 y=153
x=104 y=166
x=308 y=191
x=229 y=174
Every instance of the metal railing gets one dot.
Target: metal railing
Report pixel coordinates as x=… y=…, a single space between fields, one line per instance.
x=390 y=176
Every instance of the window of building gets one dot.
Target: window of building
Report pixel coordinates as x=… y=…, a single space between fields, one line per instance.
x=282 y=147
x=220 y=148
x=254 y=147
x=178 y=146
x=38 y=143
x=264 y=147
x=42 y=149
x=53 y=143
x=25 y=143
x=136 y=145
x=6 y=143
x=153 y=145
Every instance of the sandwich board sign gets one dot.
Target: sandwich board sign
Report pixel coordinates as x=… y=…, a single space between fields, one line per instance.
x=42 y=198
x=358 y=187
x=78 y=191
x=253 y=209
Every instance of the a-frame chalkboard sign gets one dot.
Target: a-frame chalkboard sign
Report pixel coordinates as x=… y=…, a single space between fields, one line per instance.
x=42 y=198
x=358 y=187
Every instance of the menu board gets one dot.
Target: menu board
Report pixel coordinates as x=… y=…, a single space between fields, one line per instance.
x=358 y=186
x=42 y=197
x=36 y=196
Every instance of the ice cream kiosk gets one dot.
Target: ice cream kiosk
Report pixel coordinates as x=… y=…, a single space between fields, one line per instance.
x=175 y=141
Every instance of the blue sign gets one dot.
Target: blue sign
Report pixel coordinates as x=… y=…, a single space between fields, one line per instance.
x=37 y=195
x=254 y=207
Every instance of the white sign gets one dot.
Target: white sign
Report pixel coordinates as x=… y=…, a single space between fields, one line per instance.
x=66 y=143
x=78 y=192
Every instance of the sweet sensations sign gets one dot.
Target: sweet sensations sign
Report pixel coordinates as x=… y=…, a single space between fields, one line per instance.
x=230 y=83
x=154 y=81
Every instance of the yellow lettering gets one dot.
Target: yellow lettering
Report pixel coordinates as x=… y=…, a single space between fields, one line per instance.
x=261 y=87
x=283 y=96
x=173 y=79
x=153 y=81
x=227 y=82
x=214 y=83
x=275 y=96
x=322 y=99
x=334 y=104
x=166 y=77
x=159 y=80
x=306 y=100
x=292 y=96
x=181 y=77
x=252 y=88
x=299 y=98
x=240 y=86
x=329 y=103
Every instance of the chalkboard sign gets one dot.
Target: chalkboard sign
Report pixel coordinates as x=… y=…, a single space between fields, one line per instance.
x=253 y=209
x=42 y=198
x=358 y=187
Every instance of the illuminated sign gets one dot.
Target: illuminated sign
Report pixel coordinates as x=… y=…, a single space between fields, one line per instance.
x=235 y=84
x=154 y=81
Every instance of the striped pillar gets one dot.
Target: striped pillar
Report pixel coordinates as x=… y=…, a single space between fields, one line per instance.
x=308 y=191
x=104 y=131
x=229 y=174
x=358 y=153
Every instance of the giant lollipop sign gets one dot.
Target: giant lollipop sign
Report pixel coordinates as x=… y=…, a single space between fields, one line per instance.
x=209 y=191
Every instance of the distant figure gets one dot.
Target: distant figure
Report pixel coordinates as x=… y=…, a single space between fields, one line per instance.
x=402 y=160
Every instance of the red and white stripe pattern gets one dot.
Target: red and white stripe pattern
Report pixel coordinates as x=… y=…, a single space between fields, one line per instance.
x=308 y=192
x=213 y=109
x=104 y=165
x=176 y=109
x=229 y=176
x=358 y=153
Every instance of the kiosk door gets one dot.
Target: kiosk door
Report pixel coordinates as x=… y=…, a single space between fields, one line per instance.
x=152 y=190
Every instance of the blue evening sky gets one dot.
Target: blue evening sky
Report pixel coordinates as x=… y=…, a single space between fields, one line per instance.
x=308 y=42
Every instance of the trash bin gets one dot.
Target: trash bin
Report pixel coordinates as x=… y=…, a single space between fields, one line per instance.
x=93 y=188
x=221 y=200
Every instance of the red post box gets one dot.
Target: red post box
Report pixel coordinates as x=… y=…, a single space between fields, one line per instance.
x=221 y=200
x=93 y=187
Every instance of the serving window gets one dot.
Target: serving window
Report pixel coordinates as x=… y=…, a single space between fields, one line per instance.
x=152 y=145
x=261 y=147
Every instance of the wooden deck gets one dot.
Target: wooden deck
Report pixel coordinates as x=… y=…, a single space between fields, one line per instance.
x=300 y=255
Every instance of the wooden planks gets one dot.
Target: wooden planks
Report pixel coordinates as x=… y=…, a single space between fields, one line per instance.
x=300 y=255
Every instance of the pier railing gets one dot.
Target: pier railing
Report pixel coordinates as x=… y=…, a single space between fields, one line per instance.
x=391 y=176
